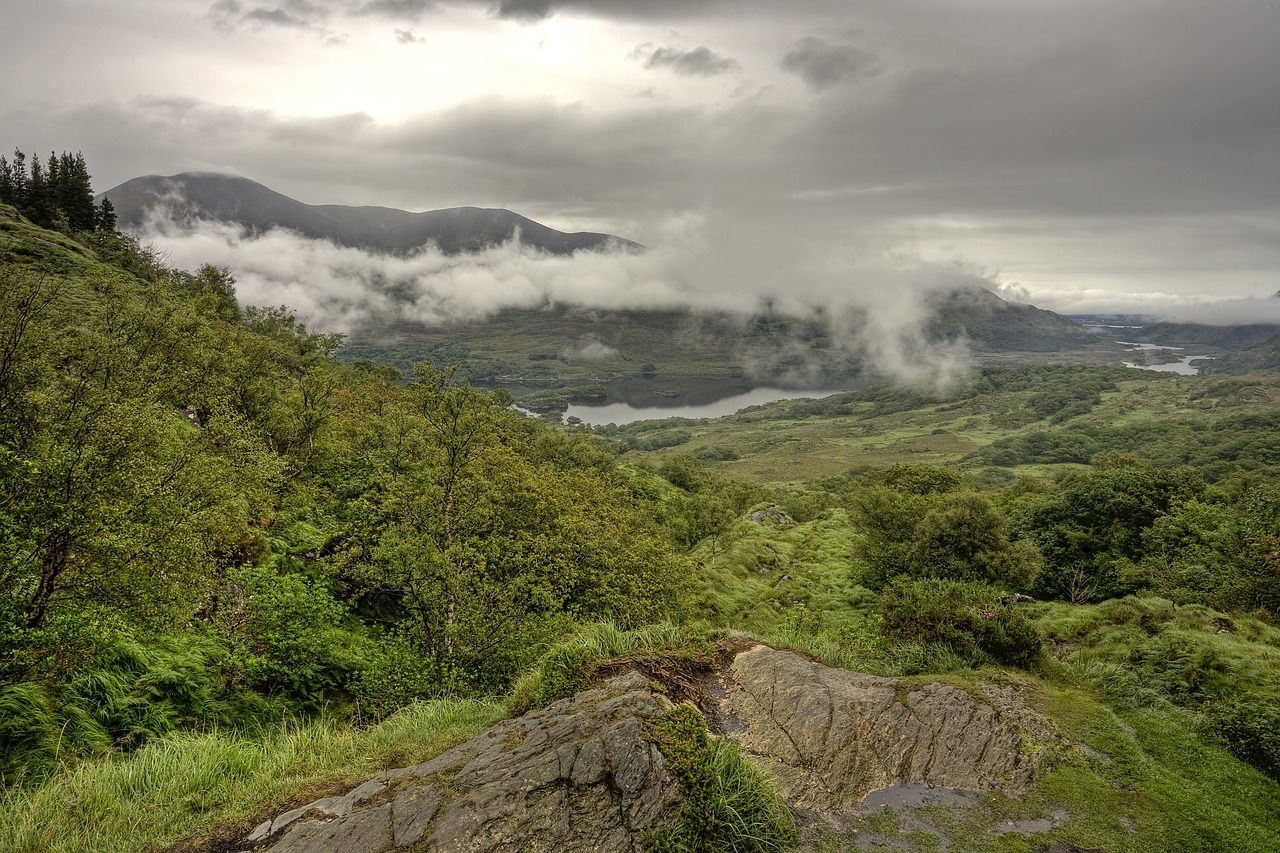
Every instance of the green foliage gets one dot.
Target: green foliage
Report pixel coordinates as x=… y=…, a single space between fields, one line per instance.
x=29 y=733
x=730 y=804
x=283 y=635
x=964 y=537
x=1094 y=520
x=1251 y=731
x=920 y=480
x=967 y=617
x=570 y=664
x=187 y=783
x=928 y=530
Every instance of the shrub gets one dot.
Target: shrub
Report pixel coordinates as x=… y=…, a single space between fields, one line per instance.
x=968 y=617
x=1251 y=731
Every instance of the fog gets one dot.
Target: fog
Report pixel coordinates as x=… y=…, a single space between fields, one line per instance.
x=875 y=303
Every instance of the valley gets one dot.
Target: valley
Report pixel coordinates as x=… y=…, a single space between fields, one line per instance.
x=263 y=587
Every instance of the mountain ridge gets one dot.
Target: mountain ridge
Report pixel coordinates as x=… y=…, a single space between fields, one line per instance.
x=190 y=196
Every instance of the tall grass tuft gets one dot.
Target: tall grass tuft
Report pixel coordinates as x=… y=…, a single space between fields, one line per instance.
x=568 y=666
x=185 y=784
x=730 y=804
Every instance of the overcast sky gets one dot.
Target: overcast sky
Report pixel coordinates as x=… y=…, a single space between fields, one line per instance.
x=1085 y=154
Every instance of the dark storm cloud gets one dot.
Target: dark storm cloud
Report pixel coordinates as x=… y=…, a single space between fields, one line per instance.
x=699 y=62
x=298 y=14
x=822 y=64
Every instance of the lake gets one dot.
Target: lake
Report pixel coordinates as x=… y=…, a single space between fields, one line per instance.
x=1182 y=366
x=625 y=413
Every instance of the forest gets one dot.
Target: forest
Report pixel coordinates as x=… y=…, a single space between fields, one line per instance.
x=229 y=553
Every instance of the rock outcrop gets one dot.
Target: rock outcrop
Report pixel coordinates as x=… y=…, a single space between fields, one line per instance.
x=580 y=776
x=833 y=736
x=575 y=776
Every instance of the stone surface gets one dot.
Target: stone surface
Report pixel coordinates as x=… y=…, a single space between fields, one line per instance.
x=832 y=736
x=575 y=776
x=579 y=775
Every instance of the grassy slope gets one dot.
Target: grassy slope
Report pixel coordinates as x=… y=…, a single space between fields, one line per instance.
x=187 y=785
x=1139 y=775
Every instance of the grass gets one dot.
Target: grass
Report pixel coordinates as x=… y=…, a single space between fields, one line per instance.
x=570 y=665
x=793 y=441
x=730 y=804
x=188 y=785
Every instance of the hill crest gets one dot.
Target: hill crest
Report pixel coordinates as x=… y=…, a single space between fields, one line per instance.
x=191 y=196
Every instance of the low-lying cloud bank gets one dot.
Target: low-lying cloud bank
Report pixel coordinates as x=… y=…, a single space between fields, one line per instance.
x=878 y=308
x=1176 y=308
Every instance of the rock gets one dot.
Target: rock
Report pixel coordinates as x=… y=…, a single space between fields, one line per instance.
x=580 y=776
x=834 y=736
x=577 y=775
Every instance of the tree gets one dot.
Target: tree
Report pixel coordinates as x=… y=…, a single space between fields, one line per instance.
x=965 y=538
x=1093 y=524
x=482 y=552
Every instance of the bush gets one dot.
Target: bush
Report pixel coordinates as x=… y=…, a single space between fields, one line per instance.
x=1251 y=731
x=967 y=617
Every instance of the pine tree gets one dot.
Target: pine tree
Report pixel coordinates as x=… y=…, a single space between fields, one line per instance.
x=105 y=216
x=39 y=207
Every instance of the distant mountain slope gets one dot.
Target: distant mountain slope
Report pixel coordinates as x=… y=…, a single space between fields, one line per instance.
x=224 y=198
x=1263 y=356
x=990 y=323
x=1202 y=335
x=543 y=346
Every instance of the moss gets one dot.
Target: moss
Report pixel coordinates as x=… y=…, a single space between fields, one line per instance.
x=729 y=805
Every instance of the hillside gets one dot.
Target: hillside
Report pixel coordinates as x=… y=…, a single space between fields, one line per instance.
x=676 y=352
x=192 y=196
x=244 y=582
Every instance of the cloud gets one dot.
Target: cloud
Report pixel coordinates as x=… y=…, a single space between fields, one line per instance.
x=877 y=309
x=822 y=64
x=536 y=10
x=407 y=37
x=1171 y=307
x=698 y=62
x=296 y=14
x=590 y=350
x=406 y=10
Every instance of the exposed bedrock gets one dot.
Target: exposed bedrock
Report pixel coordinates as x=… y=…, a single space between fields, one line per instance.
x=833 y=736
x=579 y=775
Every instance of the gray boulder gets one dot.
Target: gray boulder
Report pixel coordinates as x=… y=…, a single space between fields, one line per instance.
x=579 y=775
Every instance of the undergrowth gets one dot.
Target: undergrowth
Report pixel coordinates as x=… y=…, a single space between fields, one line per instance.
x=570 y=665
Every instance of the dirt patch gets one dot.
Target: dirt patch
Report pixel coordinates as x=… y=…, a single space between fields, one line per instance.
x=228 y=837
x=695 y=678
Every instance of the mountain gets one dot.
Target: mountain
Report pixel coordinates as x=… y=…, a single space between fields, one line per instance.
x=1233 y=338
x=677 y=350
x=190 y=196
x=1263 y=356
x=990 y=323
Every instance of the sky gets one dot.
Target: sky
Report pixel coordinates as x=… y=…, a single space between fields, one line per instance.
x=1081 y=155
